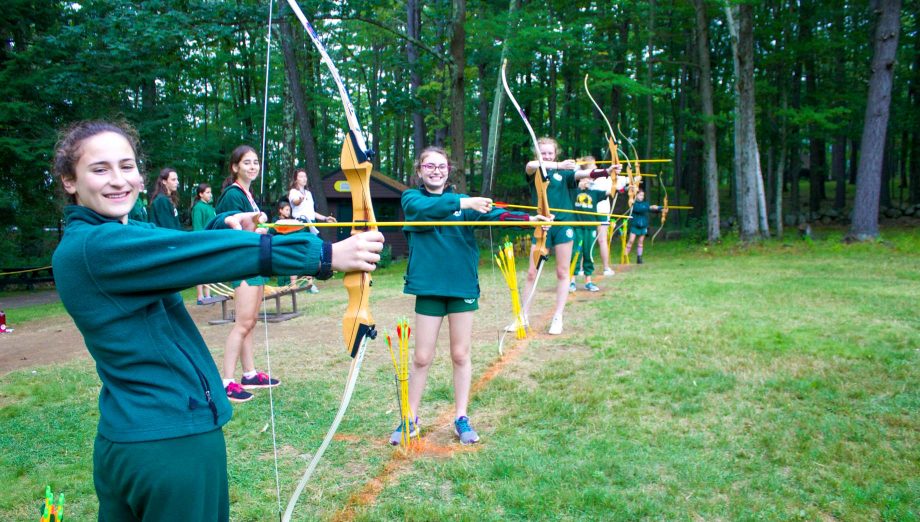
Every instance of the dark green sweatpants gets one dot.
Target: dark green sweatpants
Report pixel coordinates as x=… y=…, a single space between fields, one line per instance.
x=162 y=480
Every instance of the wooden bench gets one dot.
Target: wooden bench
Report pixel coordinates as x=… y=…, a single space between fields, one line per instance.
x=27 y=276
x=224 y=294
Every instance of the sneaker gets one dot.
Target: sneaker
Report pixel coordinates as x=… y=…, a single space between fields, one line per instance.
x=555 y=328
x=396 y=437
x=609 y=272
x=466 y=432
x=572 y=287
x=259 y=380
x=312 y=289
x=591 y=287
x=236 y=393
x=513 y=326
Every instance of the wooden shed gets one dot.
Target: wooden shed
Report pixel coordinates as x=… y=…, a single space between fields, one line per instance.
x=386 y=193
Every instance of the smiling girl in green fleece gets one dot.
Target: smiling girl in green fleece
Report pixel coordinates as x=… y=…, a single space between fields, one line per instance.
x=159 y=452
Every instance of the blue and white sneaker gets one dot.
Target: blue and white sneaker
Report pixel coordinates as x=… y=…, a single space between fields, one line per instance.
x=591 y=287
x=396 y=437
x=466 y=432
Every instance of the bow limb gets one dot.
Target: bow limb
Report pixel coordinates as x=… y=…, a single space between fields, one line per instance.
x=664 y=210
x=357 y=324
x=541 y=182
x=612 y=146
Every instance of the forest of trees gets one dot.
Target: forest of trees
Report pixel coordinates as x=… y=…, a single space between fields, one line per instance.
x=770 y=111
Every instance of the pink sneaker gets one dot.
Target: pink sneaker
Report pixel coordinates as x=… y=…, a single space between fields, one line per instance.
x=259 y=380
x=236 y=393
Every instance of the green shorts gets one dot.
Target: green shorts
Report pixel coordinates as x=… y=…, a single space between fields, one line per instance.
x=559 y=236
x=161 y=479
x=639 y=231
x=437 y=306
x=252 y=281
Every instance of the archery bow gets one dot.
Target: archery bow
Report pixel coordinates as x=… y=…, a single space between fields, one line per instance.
x=612 y=146
x=541 y=182
x=664 y=209
x=357 y=324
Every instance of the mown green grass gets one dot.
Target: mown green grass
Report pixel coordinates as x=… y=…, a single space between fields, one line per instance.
x=773 y=382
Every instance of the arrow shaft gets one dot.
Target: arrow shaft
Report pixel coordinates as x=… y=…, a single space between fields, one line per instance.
x=391 y=224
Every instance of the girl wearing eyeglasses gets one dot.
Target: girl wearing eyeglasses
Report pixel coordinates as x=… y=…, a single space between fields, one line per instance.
x=455 y=296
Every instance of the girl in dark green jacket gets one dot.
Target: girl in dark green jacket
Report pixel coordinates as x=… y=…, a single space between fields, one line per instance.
x=247 y=293
x=163 y=212
x=443 y=275
x=159 y=453
x=638 y=225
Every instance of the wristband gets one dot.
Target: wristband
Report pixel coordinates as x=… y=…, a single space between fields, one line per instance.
x=325 y=262
x=599 y=173
x=265 y=255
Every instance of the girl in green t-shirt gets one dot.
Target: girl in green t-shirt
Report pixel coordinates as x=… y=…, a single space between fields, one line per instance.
x=202 y=213
x=563 y=178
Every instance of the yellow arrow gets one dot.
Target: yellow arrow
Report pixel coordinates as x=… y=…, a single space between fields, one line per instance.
x=290 y=227
x=626 y=161
x=581 y=212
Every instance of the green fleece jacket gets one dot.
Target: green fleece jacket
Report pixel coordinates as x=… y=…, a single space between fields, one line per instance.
x=233 y=199
x=121 y=284
x=202 y=214
x=163 y=213
x=640 y=215
x=444 y=261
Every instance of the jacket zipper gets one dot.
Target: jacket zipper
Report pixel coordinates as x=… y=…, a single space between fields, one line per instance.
x=192 y=403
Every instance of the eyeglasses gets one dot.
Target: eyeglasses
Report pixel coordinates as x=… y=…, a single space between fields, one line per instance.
x=431 y=167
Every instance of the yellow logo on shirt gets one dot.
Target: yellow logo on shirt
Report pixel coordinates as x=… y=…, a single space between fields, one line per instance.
x=584 y=200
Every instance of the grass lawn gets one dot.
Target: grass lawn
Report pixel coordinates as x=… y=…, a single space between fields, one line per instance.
x=772 y=382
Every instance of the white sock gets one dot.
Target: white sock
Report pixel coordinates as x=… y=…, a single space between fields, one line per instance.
x=250 y=375
x=227 y=382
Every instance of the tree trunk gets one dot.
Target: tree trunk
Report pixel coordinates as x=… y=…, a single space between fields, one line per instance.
x=483 y=104
x=413 y=31
x=780 y=169
x=839 y=169
x=457 y=95
x=854 y=163
x=649 y=102
x=490 y=165
x=304 y=121
x=815 y=173
x=915 y=167
x=709 y=125
x=747 y=157
x=374 y=102
x=551 y=95
x=884 y=197
x=868 y=177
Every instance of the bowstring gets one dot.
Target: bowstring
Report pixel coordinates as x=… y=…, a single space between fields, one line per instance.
x=268 y=359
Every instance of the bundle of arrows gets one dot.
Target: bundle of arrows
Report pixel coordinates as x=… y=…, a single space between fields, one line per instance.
x=505 y=261
x=400 y=357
